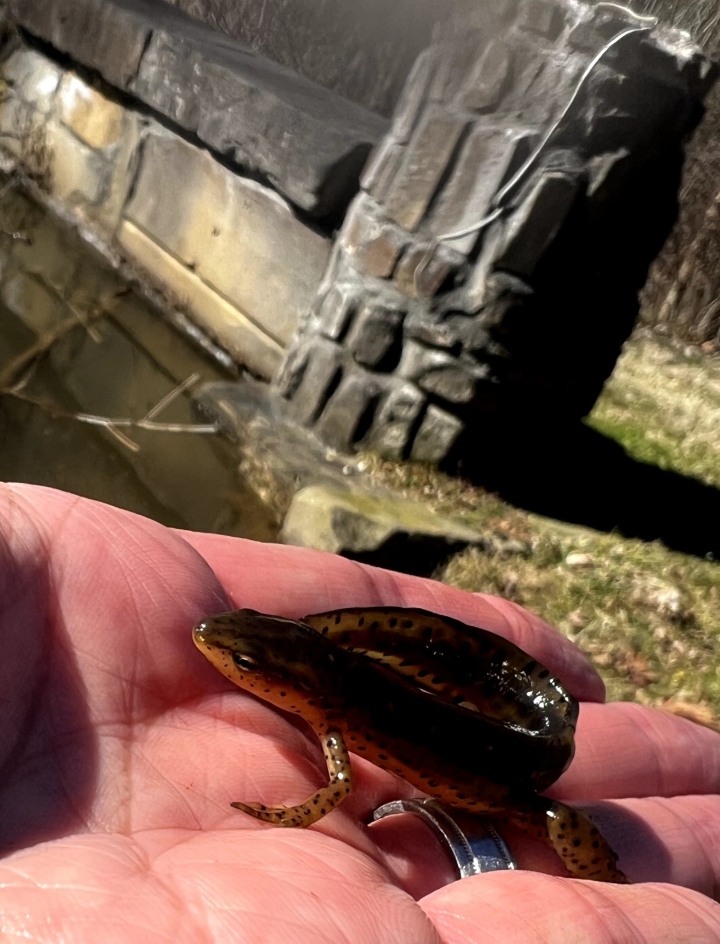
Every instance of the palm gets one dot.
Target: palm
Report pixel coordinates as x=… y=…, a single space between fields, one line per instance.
x=122 y=748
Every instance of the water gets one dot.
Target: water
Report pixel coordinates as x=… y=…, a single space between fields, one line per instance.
x=120 y=363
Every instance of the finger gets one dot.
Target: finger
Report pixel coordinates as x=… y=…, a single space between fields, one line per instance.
x=653 y=754
x=485 y=909
x=292 y=581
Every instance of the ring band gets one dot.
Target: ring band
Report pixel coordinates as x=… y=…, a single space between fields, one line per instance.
x=482 y=851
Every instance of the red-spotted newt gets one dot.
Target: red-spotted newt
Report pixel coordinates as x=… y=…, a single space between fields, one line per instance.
x=458 y=712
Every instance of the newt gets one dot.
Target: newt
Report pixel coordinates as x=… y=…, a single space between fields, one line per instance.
x=462 y=714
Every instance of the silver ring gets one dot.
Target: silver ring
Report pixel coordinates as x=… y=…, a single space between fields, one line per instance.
x=482 y=851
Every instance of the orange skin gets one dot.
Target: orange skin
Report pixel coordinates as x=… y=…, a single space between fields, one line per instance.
x=121 y=750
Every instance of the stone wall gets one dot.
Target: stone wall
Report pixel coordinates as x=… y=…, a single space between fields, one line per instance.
x=216 y=172
x=488 y=272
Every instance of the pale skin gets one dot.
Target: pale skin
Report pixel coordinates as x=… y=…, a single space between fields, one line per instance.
x=121 y=749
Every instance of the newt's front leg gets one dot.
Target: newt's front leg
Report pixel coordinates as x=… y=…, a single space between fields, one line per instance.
x=573 y=836
x=320 y=803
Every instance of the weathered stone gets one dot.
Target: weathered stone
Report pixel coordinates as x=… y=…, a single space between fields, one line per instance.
x=488 y=80
x=423 y=268
x=372 y=243
x=93 y=118
x=33 y=77
x=78 y=175
x=309 y=141
x=466 y=198
x=375 y=335
x=382 y=167
x=377 y=529
x=349 y=411
x=337 y=309
x=239 y=237
x=541 y=16
x=430 y=330
x=247 y=343
x=440 y=373
x=395 y=420
x=536 y=223
x=107 y=35
x=22 y=128
x=414 y=95
x=309 y=376
x=436 y=437
x=426 y=158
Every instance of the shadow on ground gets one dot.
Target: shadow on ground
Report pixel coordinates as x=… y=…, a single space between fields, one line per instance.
x=576 y=474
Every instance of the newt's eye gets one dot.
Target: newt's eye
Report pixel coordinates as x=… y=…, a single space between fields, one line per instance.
x=244 y=662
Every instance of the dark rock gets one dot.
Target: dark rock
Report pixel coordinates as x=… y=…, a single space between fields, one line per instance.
x=350 y=410
x=372 y=243
x=536 y=223
x=541 y=16
x=380 y=170
x=425 y=161
x=436 y=436
x=430 y=330
x=488 y=81
x=375 y=334
x=439 y=373
x=337 y=309
x=308 y=375
x=395 y=420
x=424 y=268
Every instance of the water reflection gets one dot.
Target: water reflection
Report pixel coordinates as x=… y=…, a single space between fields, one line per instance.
x=106 y=352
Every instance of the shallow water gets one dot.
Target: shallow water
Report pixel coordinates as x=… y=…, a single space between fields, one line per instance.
x=118 y=364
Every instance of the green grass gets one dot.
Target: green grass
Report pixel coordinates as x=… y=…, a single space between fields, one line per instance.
x=648 y=617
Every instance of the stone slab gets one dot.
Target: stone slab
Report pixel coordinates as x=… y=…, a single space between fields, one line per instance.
x=238 y=236
x=436 y=437
x=373 y=244
x=91 y=116
x=33 y=77
x=308 y=141
x=392 y=428
x=380 y=529
x=225 y=323
x=349 y=408
x=426 y=160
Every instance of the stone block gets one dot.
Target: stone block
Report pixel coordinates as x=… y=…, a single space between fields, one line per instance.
x=372 y=243
x=414 y=94
x=79 y=177
x=337 y=309
x=375 y=336
x=93 y=118
x=240 y=238
x=425 y=162
x=309 y=377
x=22 y=128
x=33 y=302
x=424 y=268
x=536 y=223
x=350 y=409
x=380 y=170
x=488 y=80
x=107 y=35
x=33 y=77
x=231 y=328
x=466 y=198
x=541 y=16
x=437 y=435
x=381 y=530
x=439 y=373
x=310 y=143
x=428 y=328
x=395 y=420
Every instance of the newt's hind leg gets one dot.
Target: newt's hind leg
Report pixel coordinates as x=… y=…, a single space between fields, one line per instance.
x=573 y=836
x=320 y=803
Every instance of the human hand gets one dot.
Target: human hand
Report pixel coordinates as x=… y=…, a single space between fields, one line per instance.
x=121 y=749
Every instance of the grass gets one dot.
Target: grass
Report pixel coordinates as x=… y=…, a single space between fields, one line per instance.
x=648 y=617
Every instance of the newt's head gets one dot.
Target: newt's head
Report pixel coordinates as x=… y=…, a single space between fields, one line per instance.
x=281 y=660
